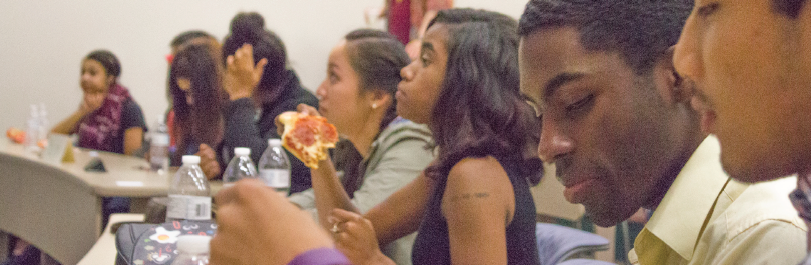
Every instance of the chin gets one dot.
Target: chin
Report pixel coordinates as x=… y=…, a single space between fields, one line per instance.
x=605 y=218
x=753 y=169
x=755 y=174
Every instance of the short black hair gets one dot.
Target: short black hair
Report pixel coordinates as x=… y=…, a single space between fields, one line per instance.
x=790 y=8
x=640 y=30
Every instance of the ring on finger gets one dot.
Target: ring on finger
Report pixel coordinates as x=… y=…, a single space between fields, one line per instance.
x=335 y=229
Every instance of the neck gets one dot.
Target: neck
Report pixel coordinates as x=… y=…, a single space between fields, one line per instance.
x=691 y=143
x=366 y=133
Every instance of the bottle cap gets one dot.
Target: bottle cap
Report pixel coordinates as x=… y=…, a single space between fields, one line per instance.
x=191 y=160
x=193 y=244
x=275 y=141
x=242 y=151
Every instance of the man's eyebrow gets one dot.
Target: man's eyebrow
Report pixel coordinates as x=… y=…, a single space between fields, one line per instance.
x=559 y=81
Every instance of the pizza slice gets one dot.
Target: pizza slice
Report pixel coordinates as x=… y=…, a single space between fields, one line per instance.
x=307 y=137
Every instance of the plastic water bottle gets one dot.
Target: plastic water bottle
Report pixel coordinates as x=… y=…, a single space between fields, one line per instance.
x=189 y=193
x=44 y=125
x=192 y=250
x=159 y=147
x=240 y=167
x=32 y=130
x=274 y=167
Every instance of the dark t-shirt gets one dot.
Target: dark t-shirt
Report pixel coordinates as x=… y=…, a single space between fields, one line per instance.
x=131 y=117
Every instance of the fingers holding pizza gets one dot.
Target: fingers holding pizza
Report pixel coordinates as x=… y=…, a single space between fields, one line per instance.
x=302 y=108
x=307 y=135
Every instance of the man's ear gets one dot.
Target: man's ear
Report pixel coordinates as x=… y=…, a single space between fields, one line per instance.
x=673 y=87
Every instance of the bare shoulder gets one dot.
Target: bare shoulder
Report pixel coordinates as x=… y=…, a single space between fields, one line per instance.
x=478 y=182
x=473 y=172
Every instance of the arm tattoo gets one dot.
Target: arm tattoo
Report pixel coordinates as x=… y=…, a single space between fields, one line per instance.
x=475 y=195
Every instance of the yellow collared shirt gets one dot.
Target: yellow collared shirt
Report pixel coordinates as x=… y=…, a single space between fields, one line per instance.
x=708 y=218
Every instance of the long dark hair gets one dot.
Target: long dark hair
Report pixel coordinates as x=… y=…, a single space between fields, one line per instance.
x=202 y=121
x=479 y=111
x=377 y=58
x=250 y=28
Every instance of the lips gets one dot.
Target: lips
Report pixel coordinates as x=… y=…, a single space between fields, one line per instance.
x=399 y=95
x=708 y=115
x=578 y=192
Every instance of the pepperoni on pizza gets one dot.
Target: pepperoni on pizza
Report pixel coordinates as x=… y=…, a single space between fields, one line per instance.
x=307 y=137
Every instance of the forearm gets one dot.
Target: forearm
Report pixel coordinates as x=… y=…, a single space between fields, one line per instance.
x=401 y=213
x=329 y=192
x=133 y=139
x=68 y=125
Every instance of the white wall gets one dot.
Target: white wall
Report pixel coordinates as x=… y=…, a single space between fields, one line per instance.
x=42 y=43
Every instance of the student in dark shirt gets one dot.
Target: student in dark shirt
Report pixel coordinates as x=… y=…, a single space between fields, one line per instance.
x=108 y=119
x=249 y=115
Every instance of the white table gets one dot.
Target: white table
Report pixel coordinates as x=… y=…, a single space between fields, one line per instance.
x=57 y=207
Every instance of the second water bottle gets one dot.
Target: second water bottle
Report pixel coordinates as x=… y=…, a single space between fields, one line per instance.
x=240 y=167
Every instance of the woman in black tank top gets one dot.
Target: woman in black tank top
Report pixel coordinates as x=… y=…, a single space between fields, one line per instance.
x=472 y=205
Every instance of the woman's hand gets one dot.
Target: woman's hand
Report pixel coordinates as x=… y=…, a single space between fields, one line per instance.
x=355 y=237
x=91 y=102
x=256 y=225
x=242 y=75
x=208 y=161
x=302 y=108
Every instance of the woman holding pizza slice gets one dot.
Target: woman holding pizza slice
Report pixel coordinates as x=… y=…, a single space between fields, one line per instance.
x=357 y=97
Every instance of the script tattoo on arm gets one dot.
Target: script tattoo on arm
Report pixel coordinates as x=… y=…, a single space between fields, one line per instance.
x=466 y=196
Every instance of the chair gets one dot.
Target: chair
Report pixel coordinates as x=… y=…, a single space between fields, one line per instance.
x=558 y=243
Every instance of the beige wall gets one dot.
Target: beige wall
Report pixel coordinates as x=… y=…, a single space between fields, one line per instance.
x=42 y=43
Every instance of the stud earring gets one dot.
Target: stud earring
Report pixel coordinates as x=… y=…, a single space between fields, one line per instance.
x=374 y=105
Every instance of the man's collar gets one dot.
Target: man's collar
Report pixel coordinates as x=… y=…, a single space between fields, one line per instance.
x=679 y=218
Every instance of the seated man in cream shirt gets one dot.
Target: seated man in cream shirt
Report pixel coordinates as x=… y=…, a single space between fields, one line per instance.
x=617 y=122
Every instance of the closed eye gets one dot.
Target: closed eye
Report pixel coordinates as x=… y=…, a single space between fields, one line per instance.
x=580 y=104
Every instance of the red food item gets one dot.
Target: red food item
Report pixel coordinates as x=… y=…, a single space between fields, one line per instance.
x=42 y=143
x=307 y=137
x=16 y=135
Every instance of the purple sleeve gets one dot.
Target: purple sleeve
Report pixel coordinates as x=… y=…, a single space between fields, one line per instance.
x=320 y=256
